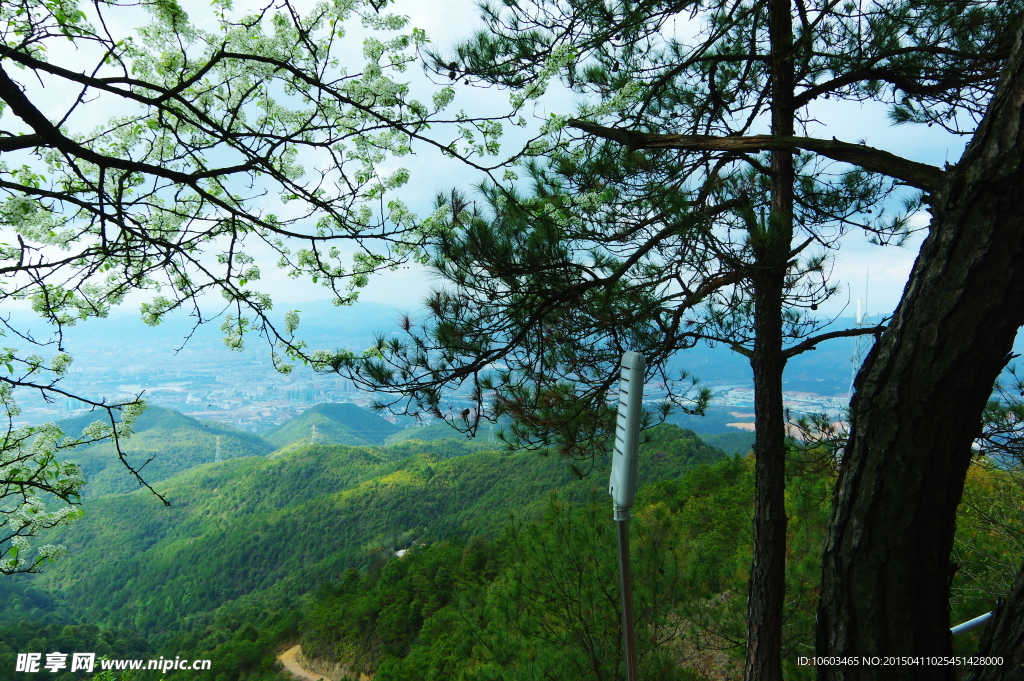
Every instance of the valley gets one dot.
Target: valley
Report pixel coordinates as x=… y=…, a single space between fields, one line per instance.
x=406 y=554
x=248 y=539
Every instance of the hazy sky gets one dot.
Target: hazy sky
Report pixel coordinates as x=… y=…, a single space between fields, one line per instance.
x=446 y=21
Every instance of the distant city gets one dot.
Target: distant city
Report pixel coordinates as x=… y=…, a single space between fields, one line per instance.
x=797 y=401
x=116 y=360
x=119 y=358
x=249 y=395
x=244 y=391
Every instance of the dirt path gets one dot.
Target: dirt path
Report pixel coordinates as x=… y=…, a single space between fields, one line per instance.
x=288 y=660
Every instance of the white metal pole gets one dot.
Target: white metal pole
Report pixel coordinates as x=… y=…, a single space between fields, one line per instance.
x=622 y=486
x=971 y=624
x=626 y=589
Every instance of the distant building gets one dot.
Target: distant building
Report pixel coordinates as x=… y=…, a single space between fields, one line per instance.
x=301 y=395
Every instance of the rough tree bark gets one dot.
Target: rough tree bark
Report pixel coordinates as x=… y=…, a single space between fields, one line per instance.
x=919 y=397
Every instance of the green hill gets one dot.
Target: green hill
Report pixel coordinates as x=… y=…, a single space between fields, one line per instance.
x=273 y=529
x=441 y=431
x=174 y=441
x=344 y=424
x=730 y=443
x=486 y=434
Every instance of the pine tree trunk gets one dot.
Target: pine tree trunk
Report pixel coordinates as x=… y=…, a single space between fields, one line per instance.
x=767 y=585
x=766 y=590
x=917 y=408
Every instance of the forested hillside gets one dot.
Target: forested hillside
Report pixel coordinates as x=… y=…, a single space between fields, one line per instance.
x=173 y=441
x=345 y=424
x=265 y=530
x=541 y=601
x=510 y=571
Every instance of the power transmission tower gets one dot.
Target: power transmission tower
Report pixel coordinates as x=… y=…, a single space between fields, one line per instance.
x=216 y=453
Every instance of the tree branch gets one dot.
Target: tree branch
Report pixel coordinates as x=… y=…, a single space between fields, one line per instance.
x=920 y=175
x=813 y=341
x=15 y=142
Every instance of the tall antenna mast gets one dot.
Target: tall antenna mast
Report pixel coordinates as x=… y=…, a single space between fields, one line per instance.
x=860 y=343
x=314 y=436
x=216 y=452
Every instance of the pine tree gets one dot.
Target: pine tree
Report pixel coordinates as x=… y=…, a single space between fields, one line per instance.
x=665 y=214
x=917 y=410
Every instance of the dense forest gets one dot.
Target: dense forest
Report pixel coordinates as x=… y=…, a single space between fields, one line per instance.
x=446 y=559
x=267 y=529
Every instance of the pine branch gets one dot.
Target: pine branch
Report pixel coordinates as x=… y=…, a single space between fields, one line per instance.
x=920 y=175
x=812 y=342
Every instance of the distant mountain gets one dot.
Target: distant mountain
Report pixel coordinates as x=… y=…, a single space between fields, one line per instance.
x=718 y=424
x=435 y=431
x=174 y=441
x=343 y=424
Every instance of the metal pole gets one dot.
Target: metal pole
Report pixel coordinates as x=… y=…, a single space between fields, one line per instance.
x=622 y=485
x=971 y=624
x=626 y=588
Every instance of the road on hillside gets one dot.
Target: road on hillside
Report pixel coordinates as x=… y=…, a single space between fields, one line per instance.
x=287 y=658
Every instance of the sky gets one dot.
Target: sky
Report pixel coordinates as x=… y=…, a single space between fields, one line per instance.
x=861 y=269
